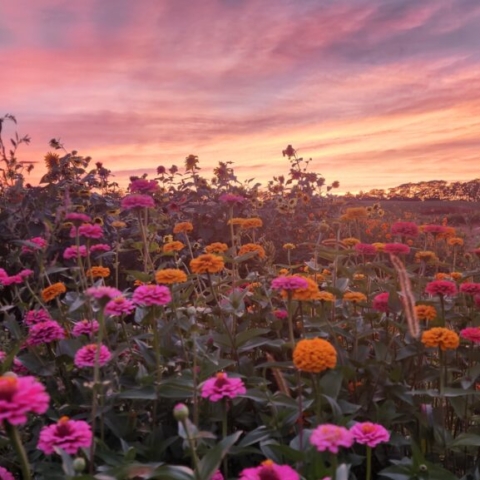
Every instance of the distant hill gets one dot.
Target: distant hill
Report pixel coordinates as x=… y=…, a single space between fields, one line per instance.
x=431 y=190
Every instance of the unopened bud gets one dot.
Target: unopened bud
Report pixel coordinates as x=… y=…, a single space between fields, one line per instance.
x=180 y=412
x=79 y=464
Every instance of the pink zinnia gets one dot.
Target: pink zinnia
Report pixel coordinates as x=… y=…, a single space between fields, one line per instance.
x=434 y=229
x=231 y=199
x=471 y=333
x=280 y=314
x=269 y=470
x=370 y=434
x=100 y=247
x=396 y=248
x=137 y=201
x=90 y=231
x=77 y=218
x=292 y=282
x=380 y=302
x=103 y=293
x=69 y=435
x=409 y=229
x=5 y=474
x=141 y=185
x=331 y=437
x=86 y=356
x=218 y=475
x=441 y=287
x=365 y=249
x=19 y=396
x=470 y=288
x=119 y=306
x=17 y=366
x=10 y=280
x=36 y=316
x=221 y=386
x=85 y=327
x=74 y=252
x=476 y=299
x=26 y=272
x=39 y=243
x=45 y=332
x=150 y=295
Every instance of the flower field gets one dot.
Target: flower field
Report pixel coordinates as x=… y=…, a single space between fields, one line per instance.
x=190 y=328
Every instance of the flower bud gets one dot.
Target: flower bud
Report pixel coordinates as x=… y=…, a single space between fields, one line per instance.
x=180 y=412
x=79 y=464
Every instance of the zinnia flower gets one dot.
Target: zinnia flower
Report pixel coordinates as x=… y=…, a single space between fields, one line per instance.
x=252 y=247
x=137 y=201
x=85 y=327
x=100 y=247
x=309 y=293
x=470 y=288
x=183 y=227
x=98 y=272
x=350 y=241
x=396 y=248
x=409 y=229
x=53 y=291
x=291 y=282
x=314 y=355
x=5 y=474
x=253 y=222
x=19 y=396
x=440 y=337
x=426 y=312
x=325 y=296
x=231 y=199
x=218 y=475
x=142 y=185
x=173 y=247
x=86 y=356
x=471 y=333
x=280 y=314
x=119 y=306
x=17 y=365
x=441 y=287
x=328 y=437
x=74 y=252
x=370 y=434
x=216 y=247
x=354 y=297
x=426 y=256
x=207 y=263
x=103 y=293
x=150 y=295
x=380 y=302
x=69 y=435
x=221 y=386
x=36 y=316
x=45 y=332
x=77 y=218
x=39 y=243
x=268 y=470
x=170 y=276
x=90 y=231
x=433 y=229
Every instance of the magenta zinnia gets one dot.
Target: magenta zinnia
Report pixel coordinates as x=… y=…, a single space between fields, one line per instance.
x=269 y=470
x=380 y=302
x=292 y=282
x=85 y=327
x=409 y=229
x=19 y=396
x=86 y=356
x=119 y=306
x=45 y=332
x=221 y=386
x=470 y=288
x=328 y=437
x=396 y=248
x=69 y=435
x=471 y=333
x=370 y=434
x=36 y=316
x=365 y=249
x=137 y=201
x=441 y=287
x=151 y=295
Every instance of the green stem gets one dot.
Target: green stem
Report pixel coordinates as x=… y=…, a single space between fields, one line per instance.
x=191 y=444
x=369 y=463
x=14 y=437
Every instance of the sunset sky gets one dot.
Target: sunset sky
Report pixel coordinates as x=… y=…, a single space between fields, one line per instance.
x=376 y=92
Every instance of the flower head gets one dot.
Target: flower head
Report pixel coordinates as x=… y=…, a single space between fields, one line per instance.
x=440 y=337
x=441 y=287
x=98 y=272
x=216 y=247
x=137 y=201
x=103 y=293
x=69 y=435
x=150 y=295
x=269 y=470
x=175 y=246
x=183 y=227
x=39 y=243
x=221 y=386
x=119 y=306
x=407 y=229
x=370 y=434
x=252 y=247
x=291 y=282
x=19 y=396
x=396 y=248
x=86 y=356
x=85 y=327
x=470 y=288
x=252 y=222
x=328 y=437
x=207 y=263
x=314 y=355
x=100 y=247
x=77 y=218
x=433 y=229
x=426 y=312
x=90 y=231
x=170 y=275
x=471 y=333
x=365 y=249
x=36 y=316
x=142 y=185
x=380 y=302
x=354 y=297
x=53 y=291
x=231 y=199
x=45 y=332
x=74 y=252
x=5 y=474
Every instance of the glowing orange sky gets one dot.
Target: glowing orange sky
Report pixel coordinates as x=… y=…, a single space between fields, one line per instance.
x=377 y=93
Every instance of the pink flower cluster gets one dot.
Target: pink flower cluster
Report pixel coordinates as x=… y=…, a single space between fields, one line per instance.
x=142 y=185
x=292 y=282
x=221 y=386
x=19 y=396
x=77 y=218
x=470 y=288
x=69 y=435
x=365 y=249
x=471 y=333
x=281 y=314
x=407 y=229
x=86 y=356
x=380 y=302
x=6 y=279
x=74 y=252
x=328 y=437
x=87 y=230
x=100 y=247
x=17 y=366
x=85 y=327
x=137 y=201
x=269 y=470
x=5 y=474
x=231 y=199
x=151 y=295
x=434 y=229
x=36 y=316
x=396 y=248
x=39 y=243
x=441 y=287
x=45 y=332
x=103 y=293
x=119 y=306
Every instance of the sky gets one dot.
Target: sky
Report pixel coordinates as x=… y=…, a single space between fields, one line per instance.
x=377 y=92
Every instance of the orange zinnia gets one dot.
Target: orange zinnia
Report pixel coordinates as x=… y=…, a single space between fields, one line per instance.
x=53 y=291
x=207 y=263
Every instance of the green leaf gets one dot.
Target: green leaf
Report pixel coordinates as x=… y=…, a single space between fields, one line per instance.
x=331 y=383
x=255 y=436
x=211 y=461
x=145 y=393
x=243 y=337
x=466 y=440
